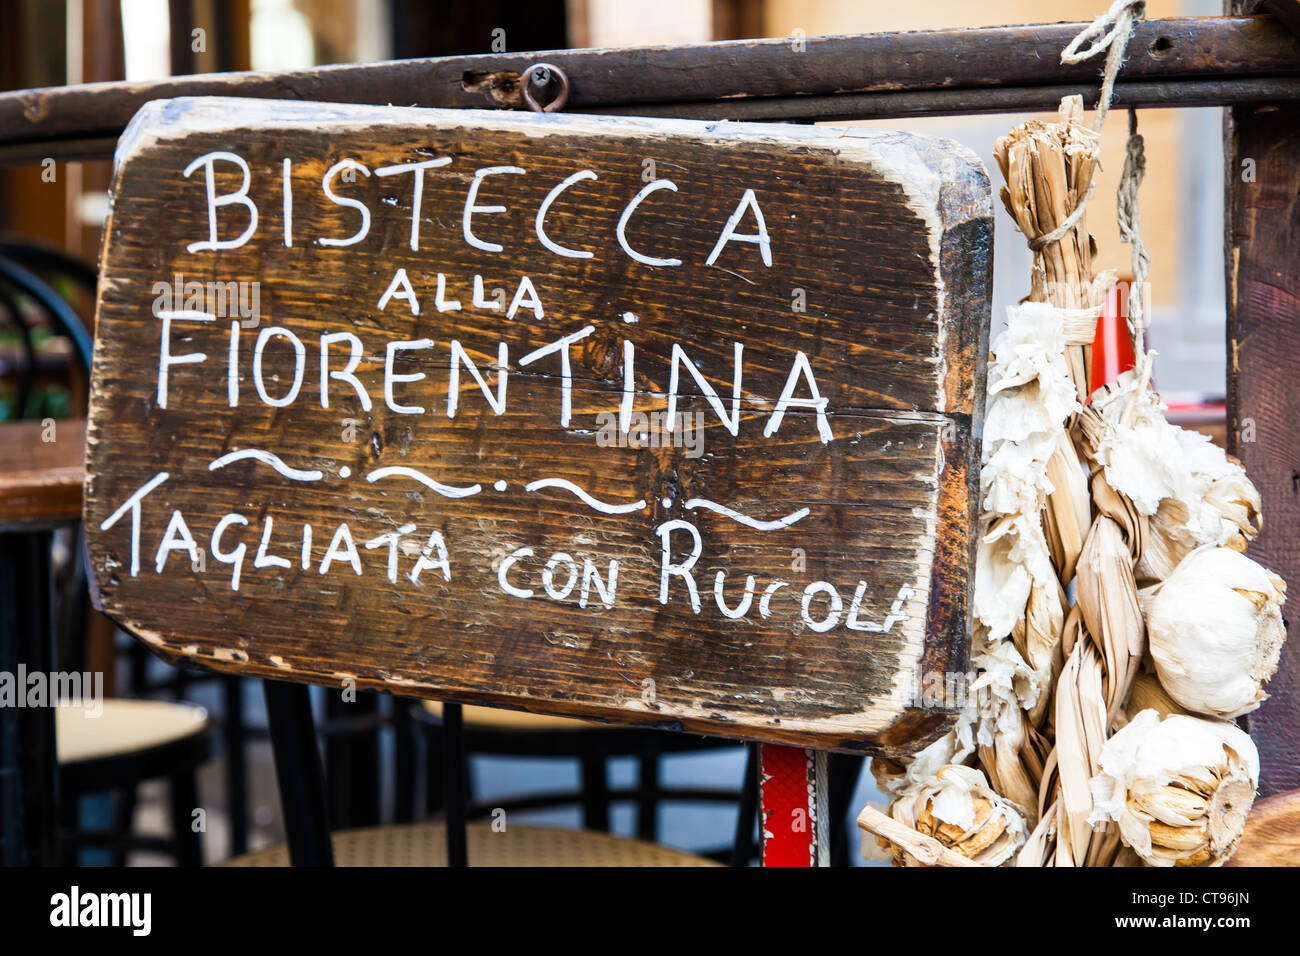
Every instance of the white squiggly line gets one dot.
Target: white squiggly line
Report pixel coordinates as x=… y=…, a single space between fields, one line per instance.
x=266 y=458
x=747 y=521
x=447 y=491
x=595 y=503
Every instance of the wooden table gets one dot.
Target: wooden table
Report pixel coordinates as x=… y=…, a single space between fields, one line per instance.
x=40 y=480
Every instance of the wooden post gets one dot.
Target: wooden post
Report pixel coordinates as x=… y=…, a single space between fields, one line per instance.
x=1262 y=166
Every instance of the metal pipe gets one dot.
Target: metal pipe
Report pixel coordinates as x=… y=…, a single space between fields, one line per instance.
x=855 y=77
x=299 y=772
x=455 y=793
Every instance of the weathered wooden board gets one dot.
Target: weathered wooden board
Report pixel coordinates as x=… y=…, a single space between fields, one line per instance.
x=813 y=304
x=1262 y=164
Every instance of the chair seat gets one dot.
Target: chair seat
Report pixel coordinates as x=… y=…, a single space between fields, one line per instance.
x=503 y=720
x=124 y=727
x=425 y=844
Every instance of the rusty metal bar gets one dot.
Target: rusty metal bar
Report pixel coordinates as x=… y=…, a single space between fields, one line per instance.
x=1179 y=62
x=1003 y=99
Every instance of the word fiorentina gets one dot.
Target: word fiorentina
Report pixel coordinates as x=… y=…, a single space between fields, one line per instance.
x=339 y=356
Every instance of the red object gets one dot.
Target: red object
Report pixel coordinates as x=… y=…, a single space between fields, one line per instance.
x=1112 y=349
x=793 y=806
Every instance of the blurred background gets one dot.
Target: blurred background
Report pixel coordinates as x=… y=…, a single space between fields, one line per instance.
x=56 y=42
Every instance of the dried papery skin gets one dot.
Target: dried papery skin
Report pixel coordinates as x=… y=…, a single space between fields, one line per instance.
x=1029 y=387
x=1238 y=502
x=1004 y=761
x=1040 y=847
x=1107 y=598
x=1030 y=398
x=963 y=813
x=1099 y=669
x=1133 y=525
x=1002 y=675
x=1179 y=788
x=1037 y=639
x=888 y=774
x=1170 y=541
x=1080 y=735
x=1010 y=557
x=1216 y=631
x=1004 y=686
x=897 y=778
x=1148 y=693
x=1193 y=492
x=1174 y=533
x=1068 y=514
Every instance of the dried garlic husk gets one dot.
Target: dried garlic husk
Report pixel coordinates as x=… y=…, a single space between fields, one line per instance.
x=1037 y=639
x=1068 y=515
x=1215 y=630
x=1011 y=764
x=1149 y=694
x=1108 y=601
x=910 y=775
x=1030 y=398
x=1193 y=491
x=962 y=812
x=1180 y=788
x=1175 y=533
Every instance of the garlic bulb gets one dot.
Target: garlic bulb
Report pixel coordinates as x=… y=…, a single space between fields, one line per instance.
x=1174 y=533
x=1215 y=631
x=910 y=775
x=962 y=812
x=1179 y=788
x=1193 y=491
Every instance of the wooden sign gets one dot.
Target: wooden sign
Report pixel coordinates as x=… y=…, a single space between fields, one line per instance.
x=660 y=422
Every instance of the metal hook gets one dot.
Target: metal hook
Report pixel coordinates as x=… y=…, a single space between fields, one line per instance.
x=541 y=74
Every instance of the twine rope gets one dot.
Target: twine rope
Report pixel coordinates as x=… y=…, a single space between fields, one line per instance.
x=1079 y=326
x=1130 y=229
x=1111 y=32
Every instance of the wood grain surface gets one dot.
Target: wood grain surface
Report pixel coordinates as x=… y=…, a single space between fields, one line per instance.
x=1272 y=836
x=867 y=278
x=41 y=472
x=1262 y=164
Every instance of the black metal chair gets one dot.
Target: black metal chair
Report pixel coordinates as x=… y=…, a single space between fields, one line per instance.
x=515 y=733
x=303 y=796
x=133 y=741
x=114 y=745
